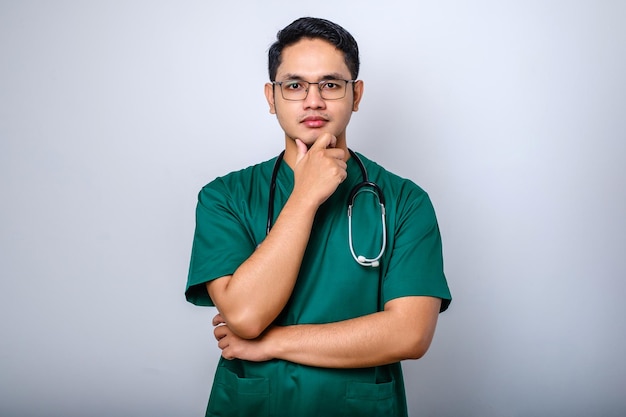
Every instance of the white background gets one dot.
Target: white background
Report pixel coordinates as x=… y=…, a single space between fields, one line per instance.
x=113 y=114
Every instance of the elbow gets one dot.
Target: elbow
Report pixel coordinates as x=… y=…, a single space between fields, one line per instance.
x=416 y=348
x=246 y=326
x=244 y=321
x=416 y=353
x=248 y=332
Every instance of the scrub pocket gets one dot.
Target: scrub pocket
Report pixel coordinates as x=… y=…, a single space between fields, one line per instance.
x=368 y=399
x=233 y=396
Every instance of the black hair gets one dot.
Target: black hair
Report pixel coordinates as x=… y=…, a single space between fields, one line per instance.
x=314 y=28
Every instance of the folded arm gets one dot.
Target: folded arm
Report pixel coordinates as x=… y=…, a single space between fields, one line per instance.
x=404 y=330
x=251 y=298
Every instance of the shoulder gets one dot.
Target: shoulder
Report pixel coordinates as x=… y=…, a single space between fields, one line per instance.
x=404 y=198
x=396 y=184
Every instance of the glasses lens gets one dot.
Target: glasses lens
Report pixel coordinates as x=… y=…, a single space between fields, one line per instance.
x=298 y=90
x=294 y=90
x=333 y=89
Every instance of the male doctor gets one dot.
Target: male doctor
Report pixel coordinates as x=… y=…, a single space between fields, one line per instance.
x=315 y=315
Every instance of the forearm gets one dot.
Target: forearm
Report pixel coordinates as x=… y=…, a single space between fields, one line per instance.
x=251 y=298
x=372 y=340
x=254 y=295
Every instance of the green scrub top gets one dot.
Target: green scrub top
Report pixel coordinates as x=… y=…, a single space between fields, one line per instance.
x=231 y=218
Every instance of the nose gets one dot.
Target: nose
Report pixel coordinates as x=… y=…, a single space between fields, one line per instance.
x=314 y=98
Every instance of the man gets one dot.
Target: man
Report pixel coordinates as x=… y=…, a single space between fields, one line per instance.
x=306 y=326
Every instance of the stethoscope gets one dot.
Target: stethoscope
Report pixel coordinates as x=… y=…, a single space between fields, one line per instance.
x=364 y=186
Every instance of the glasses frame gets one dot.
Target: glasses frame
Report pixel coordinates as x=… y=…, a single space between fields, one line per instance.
x=319 y=87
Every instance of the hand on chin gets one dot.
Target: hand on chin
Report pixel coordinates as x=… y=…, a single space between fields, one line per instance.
x=311 y=138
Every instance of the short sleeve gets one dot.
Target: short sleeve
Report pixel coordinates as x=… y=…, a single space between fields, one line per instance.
x=416 y=262
x=221 y=241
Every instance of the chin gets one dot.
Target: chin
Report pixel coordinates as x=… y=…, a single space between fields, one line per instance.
x=310 y=137
x=308 y=140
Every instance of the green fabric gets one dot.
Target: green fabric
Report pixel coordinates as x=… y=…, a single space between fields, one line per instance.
x=230 y=222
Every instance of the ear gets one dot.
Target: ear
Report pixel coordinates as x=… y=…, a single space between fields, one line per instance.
x=358 y=95
x=269 y=96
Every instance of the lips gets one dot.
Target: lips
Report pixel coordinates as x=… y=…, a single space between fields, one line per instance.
x=314 y=121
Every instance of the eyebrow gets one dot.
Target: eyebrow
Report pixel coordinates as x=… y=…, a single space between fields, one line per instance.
x=332 y=76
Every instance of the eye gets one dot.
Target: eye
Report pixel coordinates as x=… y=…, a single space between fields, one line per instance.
x=331 y=85
x=293 y=85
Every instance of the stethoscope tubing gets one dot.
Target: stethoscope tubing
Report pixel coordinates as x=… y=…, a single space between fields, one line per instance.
x=365 y=185
x=359 y=188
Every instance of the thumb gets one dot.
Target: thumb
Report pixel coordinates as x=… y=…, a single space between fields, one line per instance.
x=302 y=150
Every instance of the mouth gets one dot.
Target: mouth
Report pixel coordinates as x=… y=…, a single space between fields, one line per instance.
x=314 y=121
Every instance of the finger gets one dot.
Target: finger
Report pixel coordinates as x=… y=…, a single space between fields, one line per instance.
x=217 y=335
x=220 y=332
x=302 y=150
x=336 y=153
x=226 y=351
x=326 y=140
x=218 y=319
x=222 y=344
x=333 y=141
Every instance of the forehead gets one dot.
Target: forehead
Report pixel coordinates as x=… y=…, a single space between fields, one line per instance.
x=312 y=59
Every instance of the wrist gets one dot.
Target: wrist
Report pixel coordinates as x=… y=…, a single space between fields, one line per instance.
x=302 y=204
x=272 y=342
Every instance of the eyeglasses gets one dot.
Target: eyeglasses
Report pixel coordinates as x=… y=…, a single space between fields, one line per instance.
x=297 y=90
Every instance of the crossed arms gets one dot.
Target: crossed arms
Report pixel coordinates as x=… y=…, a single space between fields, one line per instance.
x=250 y=300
